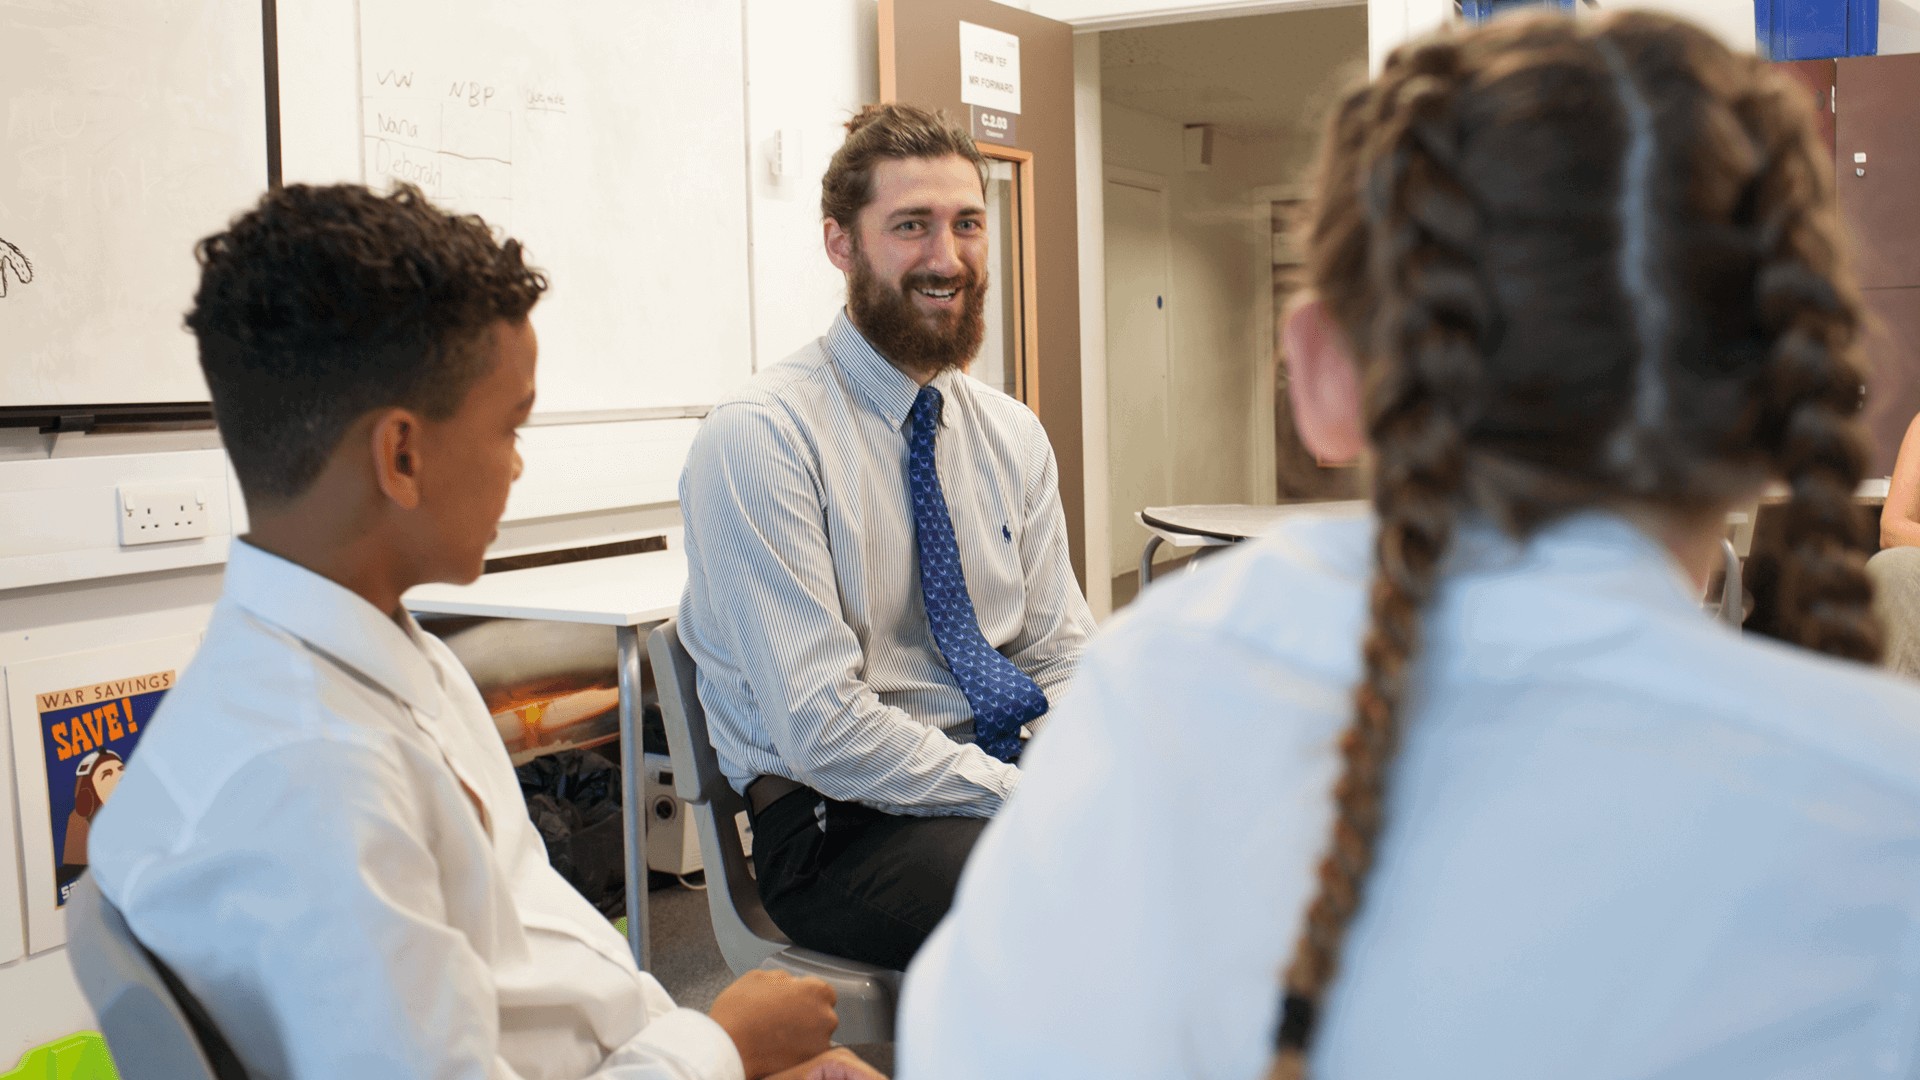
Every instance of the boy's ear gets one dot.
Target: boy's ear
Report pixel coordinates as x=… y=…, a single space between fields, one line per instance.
x=1323 y=382
x=839 y=246
x=396 y=453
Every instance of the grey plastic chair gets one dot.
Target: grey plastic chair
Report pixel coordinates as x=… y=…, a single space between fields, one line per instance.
x=155 y=1028
x=746 y=934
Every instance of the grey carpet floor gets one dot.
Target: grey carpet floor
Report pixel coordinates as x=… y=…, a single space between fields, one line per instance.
x=686 y=959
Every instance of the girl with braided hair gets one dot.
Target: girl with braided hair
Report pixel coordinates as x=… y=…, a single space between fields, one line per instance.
x=1469 y=786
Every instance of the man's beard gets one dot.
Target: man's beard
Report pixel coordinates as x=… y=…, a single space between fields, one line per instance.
x=901 y=333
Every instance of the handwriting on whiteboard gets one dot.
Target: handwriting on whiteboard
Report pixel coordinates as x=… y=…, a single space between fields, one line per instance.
x=457 y=138
x=15 y=262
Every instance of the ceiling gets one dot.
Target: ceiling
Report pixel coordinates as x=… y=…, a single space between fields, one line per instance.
x=1256 y=76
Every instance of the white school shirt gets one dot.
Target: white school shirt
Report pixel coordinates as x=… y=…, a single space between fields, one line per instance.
x=1623 y=840
x=803 y=606
x=295 y=837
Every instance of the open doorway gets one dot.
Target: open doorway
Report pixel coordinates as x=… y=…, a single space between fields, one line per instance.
x=1207 y=132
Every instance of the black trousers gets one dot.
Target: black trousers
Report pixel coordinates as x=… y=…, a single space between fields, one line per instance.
x=870 y=887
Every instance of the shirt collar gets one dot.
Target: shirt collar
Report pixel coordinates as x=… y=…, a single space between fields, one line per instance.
x=1593 y=542
x=885 y=387
x=336 y=621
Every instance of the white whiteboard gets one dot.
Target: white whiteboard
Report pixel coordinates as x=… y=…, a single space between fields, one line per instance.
x=133 y=129
x=607 y=136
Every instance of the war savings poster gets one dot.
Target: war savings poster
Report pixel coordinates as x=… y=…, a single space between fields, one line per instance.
x=88 y=735
x=77 y=723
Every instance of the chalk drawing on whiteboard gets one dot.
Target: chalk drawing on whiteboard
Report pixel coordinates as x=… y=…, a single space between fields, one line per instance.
x=13 y=262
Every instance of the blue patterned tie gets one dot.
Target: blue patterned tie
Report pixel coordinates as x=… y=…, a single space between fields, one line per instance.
x=1002 y=696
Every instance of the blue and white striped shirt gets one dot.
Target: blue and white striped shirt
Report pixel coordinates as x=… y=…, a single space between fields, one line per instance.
x=803 y=606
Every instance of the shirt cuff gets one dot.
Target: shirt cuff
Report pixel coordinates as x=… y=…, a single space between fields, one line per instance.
x=692 y=1039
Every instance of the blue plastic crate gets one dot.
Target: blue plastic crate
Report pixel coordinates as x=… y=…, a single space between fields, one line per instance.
x=1816 y=29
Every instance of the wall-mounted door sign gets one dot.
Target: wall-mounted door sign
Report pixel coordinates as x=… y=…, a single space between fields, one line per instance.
x=994 y=126
x=989 y=68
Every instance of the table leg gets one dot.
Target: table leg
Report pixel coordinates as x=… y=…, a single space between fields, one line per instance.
x=633 y=791
x=1146 y=560
x=1733 y=596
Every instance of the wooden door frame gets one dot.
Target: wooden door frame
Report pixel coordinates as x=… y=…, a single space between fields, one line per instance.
x=1028 y=384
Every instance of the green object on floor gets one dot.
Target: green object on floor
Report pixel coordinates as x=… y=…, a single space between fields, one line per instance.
x=619 y=924
x=82 y=1056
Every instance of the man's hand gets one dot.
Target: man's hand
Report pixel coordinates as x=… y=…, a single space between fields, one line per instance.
x=838 y=1063
x=777 y=1021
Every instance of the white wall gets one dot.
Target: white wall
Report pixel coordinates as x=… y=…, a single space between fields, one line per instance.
x=1390 y=22
x=1220 y=244
x=809 y=68
x=1899 y=27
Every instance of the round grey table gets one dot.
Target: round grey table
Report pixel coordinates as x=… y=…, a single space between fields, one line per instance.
x=1210 y=527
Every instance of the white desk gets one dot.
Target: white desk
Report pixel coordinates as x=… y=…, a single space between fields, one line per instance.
x=622 y=590
x=625 y=592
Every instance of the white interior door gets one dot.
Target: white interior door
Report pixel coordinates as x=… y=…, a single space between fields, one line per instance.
x=1139 y=449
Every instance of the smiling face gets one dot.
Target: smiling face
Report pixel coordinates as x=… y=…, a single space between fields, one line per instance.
x=916 y=264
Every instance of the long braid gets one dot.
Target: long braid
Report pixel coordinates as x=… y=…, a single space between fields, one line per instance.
x=1805 y=302
x=1434 y=318
x=1461 y=405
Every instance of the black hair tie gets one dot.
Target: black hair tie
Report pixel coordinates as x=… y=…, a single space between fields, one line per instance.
x=1296 y=1022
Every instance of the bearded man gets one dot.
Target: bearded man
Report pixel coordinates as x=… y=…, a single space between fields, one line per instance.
x=879 y=598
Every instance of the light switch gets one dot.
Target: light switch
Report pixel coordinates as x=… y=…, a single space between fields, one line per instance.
x=782 y=150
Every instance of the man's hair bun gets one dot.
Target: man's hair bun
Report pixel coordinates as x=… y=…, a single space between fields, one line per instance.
x=867 y=115
x=891 y=131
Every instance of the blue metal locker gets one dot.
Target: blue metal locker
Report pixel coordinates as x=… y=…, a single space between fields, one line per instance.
x=1479 y=11
x=1816 y=29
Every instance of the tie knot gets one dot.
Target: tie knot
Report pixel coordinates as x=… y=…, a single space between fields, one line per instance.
x=926 y=407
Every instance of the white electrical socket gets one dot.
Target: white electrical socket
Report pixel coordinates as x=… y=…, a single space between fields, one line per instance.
x=153 y=515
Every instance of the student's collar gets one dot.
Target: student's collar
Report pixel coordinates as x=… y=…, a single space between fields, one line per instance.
x=1589 y=542
x=887 y=389
x=336 y=621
